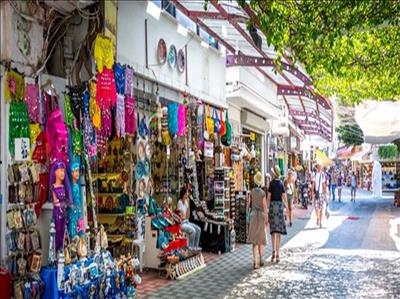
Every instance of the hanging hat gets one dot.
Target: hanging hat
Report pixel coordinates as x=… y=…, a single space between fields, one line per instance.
x=276 y=171
x=258 y=179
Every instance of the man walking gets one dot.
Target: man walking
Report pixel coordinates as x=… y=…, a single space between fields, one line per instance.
x=320 y=193
x=334 y=181
x=353 y=186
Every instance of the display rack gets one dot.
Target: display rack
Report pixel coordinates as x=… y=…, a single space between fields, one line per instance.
x=241 y=225
x=222 y=196
x=183 y=268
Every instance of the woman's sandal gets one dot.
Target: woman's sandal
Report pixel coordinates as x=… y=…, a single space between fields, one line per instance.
x=273 y=257
x=261 y=263
x=277 y=260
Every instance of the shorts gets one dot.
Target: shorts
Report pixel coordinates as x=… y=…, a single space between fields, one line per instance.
x=290 y=199
x=319 y=202
x=352 y=189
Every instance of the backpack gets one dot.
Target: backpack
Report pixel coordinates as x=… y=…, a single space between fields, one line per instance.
x=227 y=138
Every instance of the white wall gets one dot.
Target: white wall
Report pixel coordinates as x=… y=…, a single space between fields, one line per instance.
x=248 y=88
x=206 y=67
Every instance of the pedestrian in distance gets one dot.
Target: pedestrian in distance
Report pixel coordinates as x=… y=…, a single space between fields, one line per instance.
x=290 y=193
x=319 y=193
x=258 y=221
x=334 y=182
x=276 y=201
x=353 y=186
x=340 y=179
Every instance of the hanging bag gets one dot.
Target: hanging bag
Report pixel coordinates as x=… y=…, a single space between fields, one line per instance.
x=222 y=130
x=182 y=120
x=209 y=124
x=173 y=118
x=227 y=138
x=217 y=123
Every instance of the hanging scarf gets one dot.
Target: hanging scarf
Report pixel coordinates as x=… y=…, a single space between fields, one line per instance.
x=88 y=131
x=15 y=86
x=18 y=124
x=32 y=100
x=173 y=118
x=129 y=78
x=69 y=116
x=130 y=122
x=103 y=52
x=94 y=109
x=182 y=120
x=119 y=74
x=120 y=116
x=76 y=100
x=106 y=92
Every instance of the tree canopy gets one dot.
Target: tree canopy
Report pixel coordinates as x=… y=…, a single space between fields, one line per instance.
x=350 y=48
x=350 y=134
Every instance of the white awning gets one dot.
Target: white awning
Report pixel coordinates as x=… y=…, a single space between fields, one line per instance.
x=380 y=121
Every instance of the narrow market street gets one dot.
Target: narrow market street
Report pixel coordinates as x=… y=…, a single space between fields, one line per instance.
x=355 y=255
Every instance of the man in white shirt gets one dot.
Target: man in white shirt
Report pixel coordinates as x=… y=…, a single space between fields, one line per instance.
x=320 y=192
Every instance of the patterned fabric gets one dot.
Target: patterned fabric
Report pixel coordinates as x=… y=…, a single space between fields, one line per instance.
x=319 y=202
x=276 y=218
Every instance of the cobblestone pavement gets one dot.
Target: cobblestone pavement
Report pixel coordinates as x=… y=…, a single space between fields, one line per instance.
x=355 y=255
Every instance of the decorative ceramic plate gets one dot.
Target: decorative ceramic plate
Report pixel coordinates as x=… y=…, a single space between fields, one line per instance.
x=161 y=51
x=172 y=56
x=142 y=187
x=139 y=170
x=141 y=150
x=181 y=61
x=148 y=150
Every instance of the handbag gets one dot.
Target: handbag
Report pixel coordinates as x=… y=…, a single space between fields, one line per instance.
x=227 y=138
x=209 y=124
x=222 y=130
x=217 y=123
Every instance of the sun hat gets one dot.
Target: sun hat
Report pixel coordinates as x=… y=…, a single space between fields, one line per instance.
x=258 y=179
x=276 y=171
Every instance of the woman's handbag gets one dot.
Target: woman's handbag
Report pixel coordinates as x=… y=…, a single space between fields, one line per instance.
x=227 y=138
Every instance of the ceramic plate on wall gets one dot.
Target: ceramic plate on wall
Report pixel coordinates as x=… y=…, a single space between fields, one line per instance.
x=172 y=56
x=161 y=51
x=181 y=61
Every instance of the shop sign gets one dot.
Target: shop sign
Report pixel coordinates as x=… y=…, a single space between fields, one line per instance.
x=22 y=147
x=208 y=149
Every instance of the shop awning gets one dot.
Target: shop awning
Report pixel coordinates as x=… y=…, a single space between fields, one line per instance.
x=363 y=154
x=345 y=153
x=323 y=159
x=380 y=121
x=226 y=22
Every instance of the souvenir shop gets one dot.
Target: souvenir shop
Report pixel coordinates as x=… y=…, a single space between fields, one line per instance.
x=109 y=158
x=73 y=150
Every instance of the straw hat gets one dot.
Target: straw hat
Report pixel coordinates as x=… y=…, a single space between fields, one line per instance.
x=258 y=179
x=276 y=171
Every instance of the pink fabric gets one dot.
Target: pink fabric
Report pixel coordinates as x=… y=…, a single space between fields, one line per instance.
x=106 y=93
x=130 y=123
x=104 y=132
x=56 y=129
x=182 y=120
x=32 y=101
